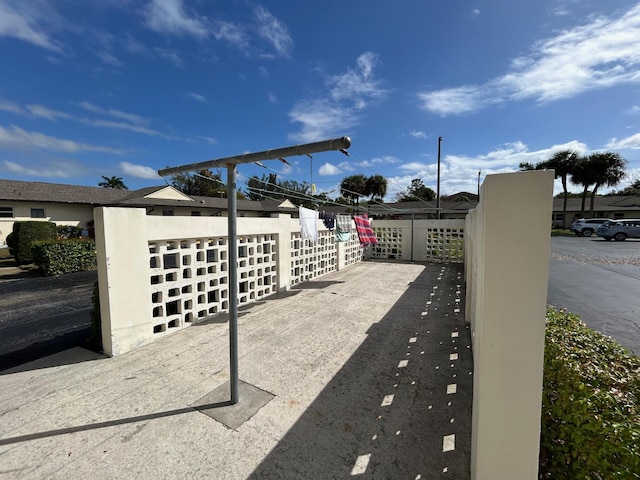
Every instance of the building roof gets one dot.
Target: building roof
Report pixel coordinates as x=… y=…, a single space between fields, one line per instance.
x=54 y=192
x=158 y=196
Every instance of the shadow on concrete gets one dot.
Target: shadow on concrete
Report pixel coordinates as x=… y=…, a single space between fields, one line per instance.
x=28 y=358
x=315 y=284
x=380 y=420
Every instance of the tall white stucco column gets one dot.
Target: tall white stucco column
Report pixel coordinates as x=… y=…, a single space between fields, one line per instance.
x=510 y=304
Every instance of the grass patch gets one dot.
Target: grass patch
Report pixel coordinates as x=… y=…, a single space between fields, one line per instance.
x=562 y=232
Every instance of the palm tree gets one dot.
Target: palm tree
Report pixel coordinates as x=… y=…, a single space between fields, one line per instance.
x=608 y=169
x=113 y=182
x=354 y=187
x=584 y=176
x=376 y=186
x=563 y=164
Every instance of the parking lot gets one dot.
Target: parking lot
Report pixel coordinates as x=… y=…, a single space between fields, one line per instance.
x=599 y=281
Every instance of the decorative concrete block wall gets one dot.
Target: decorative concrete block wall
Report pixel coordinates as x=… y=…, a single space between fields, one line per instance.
x=161 y=274
x=507 y=239
x=419 y=240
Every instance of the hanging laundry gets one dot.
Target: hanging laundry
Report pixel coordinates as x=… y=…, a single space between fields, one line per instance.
x=308 y=224
x=365 y=233
x=343 y=228
x=329 y=220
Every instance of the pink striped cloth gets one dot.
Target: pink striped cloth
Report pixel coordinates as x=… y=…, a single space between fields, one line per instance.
x=363 y=227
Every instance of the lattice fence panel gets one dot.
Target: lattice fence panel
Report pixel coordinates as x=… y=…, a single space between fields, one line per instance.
x=189 y=278
x=389 y=242
x=310 y=260
x=445 y=244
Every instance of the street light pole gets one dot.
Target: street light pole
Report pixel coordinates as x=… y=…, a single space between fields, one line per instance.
x=438 y=187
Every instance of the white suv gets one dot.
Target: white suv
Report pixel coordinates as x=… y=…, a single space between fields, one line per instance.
x=584 y=227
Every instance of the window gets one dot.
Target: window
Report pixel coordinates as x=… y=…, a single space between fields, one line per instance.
x=37 y=213
x=167 y=213
x=195 y=213
x=6 y=212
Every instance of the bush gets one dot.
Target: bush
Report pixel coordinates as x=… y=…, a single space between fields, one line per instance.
x=11 y=243
x=57 y=257
x=25 y=233
x=590 y=412
x=68 y=231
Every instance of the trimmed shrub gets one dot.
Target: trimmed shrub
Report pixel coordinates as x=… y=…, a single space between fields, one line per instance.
x=57 y=257
x=590 y=411
x=68 y=231
x=11 y=243
x=25 y=234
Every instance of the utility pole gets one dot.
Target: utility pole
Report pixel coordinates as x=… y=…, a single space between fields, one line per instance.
x=438 y=187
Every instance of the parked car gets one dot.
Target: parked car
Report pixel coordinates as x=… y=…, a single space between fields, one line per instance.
x=620 y=230
x=584 y=227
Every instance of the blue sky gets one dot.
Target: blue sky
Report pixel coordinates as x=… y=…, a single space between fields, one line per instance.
x=125 y=87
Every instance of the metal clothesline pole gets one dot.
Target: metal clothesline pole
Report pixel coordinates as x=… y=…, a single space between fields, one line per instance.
x=230 y=163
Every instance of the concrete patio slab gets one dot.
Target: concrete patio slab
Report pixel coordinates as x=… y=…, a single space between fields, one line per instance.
x=360 y=365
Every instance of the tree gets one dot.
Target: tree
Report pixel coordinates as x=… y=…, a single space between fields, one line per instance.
x=353 y=188
x=608 y=169
x=376 y=186
x=583 y=175
x=113 y=182
x=204 y=183
x=269 y=187
x=416 y=191
x=563 y=164
x=598 y=169
x=633 y=189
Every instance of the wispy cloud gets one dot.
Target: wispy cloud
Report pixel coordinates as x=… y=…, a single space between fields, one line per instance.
x=41 y=171
x=597 y=55
x=171 y=17
x=631 y=143
x=23 y=22
x=274 y=31
x=418 y=134
x=197 y=96
x=338 y=108
x=170 y=55
x=139 y=171
x=16 y=137
x=44 y=112
x=272 y=97
x=111 y=112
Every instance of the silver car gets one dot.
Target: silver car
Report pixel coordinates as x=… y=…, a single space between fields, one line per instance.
x=584 y=227
x=620 y=230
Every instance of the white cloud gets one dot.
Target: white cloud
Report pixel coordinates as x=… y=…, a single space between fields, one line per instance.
x=274 y=31
x=231 y=33
x=35 y=172
x=170 y=55
x=476 y=11
x=337 y=110
x=44 y=112
x=597 y=55
x=197 y=96
x=25 y=25
x=263 y=71
x=272 y=97
x=329 y=169
x=413 y=167
x=129 y=117
x=139 y=171
x=169 y=16
x=418 y=134
x=16 y=137
x=632 y=143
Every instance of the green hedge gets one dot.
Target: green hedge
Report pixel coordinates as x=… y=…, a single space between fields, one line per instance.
x=57 y=257
x=590 y=411
x=25 y=233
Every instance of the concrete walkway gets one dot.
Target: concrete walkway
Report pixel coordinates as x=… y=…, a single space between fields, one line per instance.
x=367 y=373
